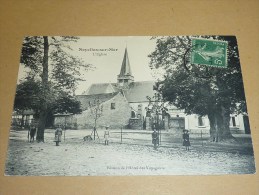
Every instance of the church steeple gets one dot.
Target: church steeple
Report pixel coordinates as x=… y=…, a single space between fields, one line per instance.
x=125 y=75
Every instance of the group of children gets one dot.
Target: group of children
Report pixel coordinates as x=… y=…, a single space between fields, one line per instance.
x=155 y=137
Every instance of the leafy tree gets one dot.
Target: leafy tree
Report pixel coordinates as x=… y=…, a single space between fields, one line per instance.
x=200 y=90
x=27 y=97
x=67 y=104
x=50 y=61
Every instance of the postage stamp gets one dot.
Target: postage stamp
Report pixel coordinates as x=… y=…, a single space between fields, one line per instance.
x=209 y=52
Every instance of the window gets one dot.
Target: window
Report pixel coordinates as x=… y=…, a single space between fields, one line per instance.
x=234 y=121
x=133 y=115
x=200 y=121
x=112 y=106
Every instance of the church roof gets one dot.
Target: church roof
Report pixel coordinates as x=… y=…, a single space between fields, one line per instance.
x=138 y=91
x=99 y=88
x=125 y=67
x=85 y=99
x=135 y=92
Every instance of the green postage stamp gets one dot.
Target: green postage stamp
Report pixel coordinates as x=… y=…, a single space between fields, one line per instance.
x=209 y=52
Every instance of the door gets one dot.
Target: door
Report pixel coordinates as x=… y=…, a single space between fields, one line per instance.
x=177 y=123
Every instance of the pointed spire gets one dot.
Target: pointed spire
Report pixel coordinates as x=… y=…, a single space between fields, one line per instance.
x=125 y=67
x=125 y=75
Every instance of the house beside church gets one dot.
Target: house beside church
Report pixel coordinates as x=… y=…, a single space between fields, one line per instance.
x=125 y=104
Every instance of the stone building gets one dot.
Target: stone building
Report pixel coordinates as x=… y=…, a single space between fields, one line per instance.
x=115 y=111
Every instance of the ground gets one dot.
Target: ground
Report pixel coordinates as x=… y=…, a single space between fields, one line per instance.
x=133 y=156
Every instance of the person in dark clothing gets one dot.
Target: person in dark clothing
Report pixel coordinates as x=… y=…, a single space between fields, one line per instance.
x=186 y=140
x=31 y=133
x=155 y=139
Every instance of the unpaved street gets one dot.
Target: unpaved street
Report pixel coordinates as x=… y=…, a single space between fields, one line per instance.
x=75 y=157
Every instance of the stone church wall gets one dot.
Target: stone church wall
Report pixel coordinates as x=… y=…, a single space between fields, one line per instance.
x=114 y=118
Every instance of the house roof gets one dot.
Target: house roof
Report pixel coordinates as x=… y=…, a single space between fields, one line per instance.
x=85 y=99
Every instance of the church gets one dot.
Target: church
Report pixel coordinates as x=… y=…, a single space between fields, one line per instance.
x=125 y=104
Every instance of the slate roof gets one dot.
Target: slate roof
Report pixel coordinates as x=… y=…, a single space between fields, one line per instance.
x=135 y=92
x=85 y=99
x=138 y=91
x=99 y=88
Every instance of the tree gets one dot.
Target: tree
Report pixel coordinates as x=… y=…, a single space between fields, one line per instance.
x=67 y=104
x=200 y=90
x=50 y=61
x=96 y=108
x=27 y=97
x=63 y=104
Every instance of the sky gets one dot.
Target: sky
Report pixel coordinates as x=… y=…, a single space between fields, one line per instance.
x=108 y=63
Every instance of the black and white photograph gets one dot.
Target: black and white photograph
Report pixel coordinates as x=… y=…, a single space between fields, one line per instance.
x=129 y=105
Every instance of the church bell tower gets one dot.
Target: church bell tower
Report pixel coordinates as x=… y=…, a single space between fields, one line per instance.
x=125 y=77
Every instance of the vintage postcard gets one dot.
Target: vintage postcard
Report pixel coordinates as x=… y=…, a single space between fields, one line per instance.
x=132 y=105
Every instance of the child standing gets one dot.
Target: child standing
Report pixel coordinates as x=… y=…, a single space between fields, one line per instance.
x=155 y=139
x=106 y=136
x=58 y=134
x=186 y=140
